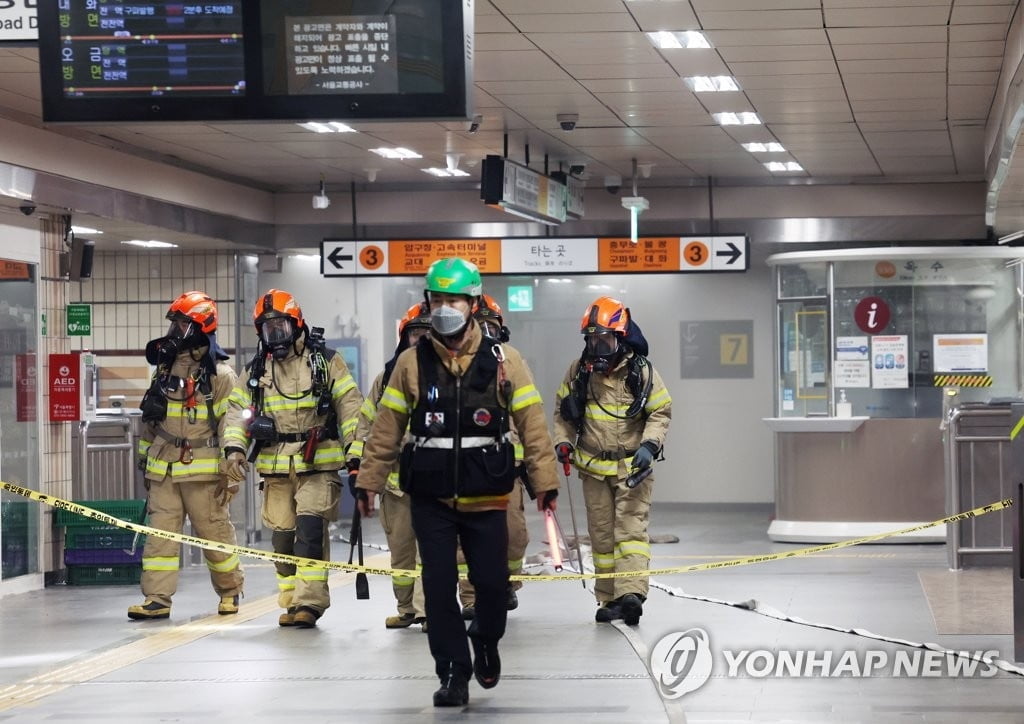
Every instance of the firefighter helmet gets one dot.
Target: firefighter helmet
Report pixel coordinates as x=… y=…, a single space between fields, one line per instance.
x=487 y=308
x=192 y=311
x=416 y=317
x=605 y=314
x=275 y=304
x=454 y=276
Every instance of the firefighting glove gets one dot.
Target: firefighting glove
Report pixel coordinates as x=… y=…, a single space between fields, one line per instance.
x=644 y=455
x=225 y=490
x=563 y=451
x=235 y=464
x=352 y=466
x=547 y=500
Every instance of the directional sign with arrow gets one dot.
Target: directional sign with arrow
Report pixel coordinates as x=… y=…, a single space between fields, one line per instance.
x=337 y=258
x=729 y=253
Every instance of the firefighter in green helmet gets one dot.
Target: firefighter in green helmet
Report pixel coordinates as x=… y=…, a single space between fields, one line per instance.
x=459 y=396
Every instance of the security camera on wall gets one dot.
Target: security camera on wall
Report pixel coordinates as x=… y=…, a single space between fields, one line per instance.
x=568 y=121
x=613 y=184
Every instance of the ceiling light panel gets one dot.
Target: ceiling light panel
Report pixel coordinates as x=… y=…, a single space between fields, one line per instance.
x=743 y=118
x=672 y=40
x=395 y=153
x=712 y=84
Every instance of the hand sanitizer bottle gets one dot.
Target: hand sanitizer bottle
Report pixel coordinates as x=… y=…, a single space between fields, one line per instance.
x=843 y=408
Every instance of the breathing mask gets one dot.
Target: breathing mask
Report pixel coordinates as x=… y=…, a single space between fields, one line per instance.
x=278 y=334
x=602 y=350
x=447 y=321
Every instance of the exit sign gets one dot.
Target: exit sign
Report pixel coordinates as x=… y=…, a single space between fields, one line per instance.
x=520 y=299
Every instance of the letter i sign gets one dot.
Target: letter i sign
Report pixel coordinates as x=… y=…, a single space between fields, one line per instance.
x=872 y=315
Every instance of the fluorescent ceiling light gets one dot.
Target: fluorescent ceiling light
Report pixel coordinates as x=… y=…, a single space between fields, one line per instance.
x=1011 y=237
x=329 y=127
x=150 y=244
x=399 y=153
x=305 y=257
x=445 y=172
x=712 y=83
x=764 y=147
x=668 y=40
x=84 y=230
x=744 y=118
x=776 y=166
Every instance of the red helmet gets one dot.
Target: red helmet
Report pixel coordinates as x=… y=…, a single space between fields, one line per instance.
x=276 y=304
x=194 y=307
x=605 y=314
x=487 y=308
x=416 y=317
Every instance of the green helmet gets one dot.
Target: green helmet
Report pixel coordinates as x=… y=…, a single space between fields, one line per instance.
x=454 y=276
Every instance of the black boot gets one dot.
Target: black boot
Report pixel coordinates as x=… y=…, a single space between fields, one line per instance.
x=486 y=662
x=454 y=689
x=632 y=607
x=609 y=612
x=511 y=600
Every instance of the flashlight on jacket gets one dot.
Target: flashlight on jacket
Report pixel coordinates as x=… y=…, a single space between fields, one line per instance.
x=639 y=476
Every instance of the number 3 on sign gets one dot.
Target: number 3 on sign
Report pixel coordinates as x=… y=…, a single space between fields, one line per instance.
x=371 y=257
x=696 y=253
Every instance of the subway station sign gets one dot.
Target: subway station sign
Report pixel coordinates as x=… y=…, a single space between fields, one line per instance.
x=539 y=256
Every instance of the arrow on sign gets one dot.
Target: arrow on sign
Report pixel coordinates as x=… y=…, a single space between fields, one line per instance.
x=336 y=257
x=733 y=253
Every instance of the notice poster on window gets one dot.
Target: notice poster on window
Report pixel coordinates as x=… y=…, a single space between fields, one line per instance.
x=962 y=353
x=889 y=362
x=852 y=364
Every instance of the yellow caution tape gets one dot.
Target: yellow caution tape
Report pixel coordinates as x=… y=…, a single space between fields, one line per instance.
x=962 y=381
x=339 y=565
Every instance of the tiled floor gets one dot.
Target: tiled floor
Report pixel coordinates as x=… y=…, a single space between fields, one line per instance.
x=71 y=654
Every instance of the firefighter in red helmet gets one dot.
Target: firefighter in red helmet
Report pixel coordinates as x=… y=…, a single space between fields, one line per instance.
x=183 y=412
x=612 y=413
x=295 y=413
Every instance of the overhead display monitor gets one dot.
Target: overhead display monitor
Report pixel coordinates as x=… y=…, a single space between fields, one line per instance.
x=301 y=60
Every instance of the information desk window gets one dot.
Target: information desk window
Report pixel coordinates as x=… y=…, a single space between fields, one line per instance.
x=879 y=332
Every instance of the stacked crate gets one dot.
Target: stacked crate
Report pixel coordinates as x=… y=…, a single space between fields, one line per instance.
x=14 y=538
x=103 y=555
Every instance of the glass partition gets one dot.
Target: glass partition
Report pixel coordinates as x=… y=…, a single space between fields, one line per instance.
x=19 y=443
x=886 y=329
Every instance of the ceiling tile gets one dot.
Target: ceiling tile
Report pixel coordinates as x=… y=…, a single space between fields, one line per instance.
x=876 y=51
x=493 y=24
x=501 y=41
x=966 y=102
x=573 y=23
x=895 y=85
x=633 y=85
x=759 y=19
x=742 y=38
x=826 y=93
x=974 y=78
x=520 y=65
x=968 y=14
x=763 y=82
x=775 y=52
x=654 y=15
x=696 y=62
x=969 y=149
x=905 y=65
x=993 y=63
x=978 y=49
x=917 y=165
x=867 y=36
x=959 y=33
x=511 y=7
x=589 y=72
x=886 y=17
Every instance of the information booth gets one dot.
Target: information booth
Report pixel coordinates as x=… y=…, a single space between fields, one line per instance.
x=870 y=345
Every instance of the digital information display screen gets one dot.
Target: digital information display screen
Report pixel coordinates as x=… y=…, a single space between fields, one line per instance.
x=355 y=54
x=126 y=49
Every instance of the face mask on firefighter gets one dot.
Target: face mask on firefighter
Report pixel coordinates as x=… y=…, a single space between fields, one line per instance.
x=181 y=329
x=603 y=344
x=447 y=321
x=490 y=328
x=278 y=332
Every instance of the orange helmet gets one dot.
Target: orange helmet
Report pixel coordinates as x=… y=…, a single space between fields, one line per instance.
x=605 y=314
x=487 y=308
x=275 y=304
x=193 y=308
x=416 y=317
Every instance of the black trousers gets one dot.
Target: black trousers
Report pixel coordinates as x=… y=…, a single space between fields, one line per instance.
x=484 y=539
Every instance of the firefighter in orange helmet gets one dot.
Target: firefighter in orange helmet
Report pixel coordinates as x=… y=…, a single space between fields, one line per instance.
x=183 y=412
x=395 y=509
x=612 y=413
x=488 y=315
x=296 y=412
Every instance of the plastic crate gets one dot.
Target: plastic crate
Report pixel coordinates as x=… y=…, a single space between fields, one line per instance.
x=98 y=575
x=96 y=537
x=102 y=556
x=132 y=511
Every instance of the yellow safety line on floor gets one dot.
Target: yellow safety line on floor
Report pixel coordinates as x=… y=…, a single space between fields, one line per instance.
x=154 y=642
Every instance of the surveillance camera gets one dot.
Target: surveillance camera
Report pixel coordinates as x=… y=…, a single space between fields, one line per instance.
x=613 y=184
x=577 y=169
x=568 y=120
x=474 y=125
x=28 y=209
x=321 y=201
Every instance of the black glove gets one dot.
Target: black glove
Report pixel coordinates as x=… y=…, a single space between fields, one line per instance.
x=644 y=455
x=352 y=466
x=549 y=498
x=563 y=451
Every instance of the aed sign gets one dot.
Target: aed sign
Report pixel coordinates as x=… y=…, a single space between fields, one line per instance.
x=65 y=386
x=79 y=320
